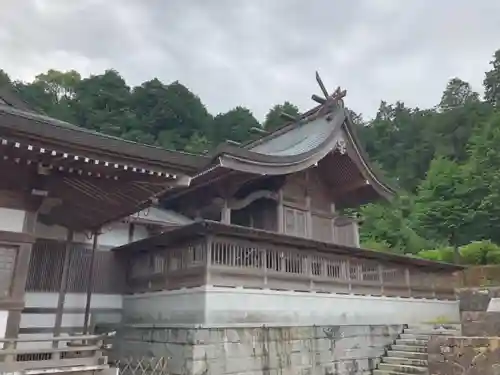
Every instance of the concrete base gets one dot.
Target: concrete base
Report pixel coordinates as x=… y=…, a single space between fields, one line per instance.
x=223 y=307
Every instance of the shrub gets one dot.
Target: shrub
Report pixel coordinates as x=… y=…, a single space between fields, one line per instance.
x=376 y=245
x=493 y=257
x=430 y=255
x=444 y=254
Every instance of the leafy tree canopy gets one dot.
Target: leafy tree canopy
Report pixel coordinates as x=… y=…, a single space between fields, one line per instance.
x=445 y=159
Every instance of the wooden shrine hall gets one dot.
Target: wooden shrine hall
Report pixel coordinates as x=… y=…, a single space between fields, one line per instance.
x=252 y=234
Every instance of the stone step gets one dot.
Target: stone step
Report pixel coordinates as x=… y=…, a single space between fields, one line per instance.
x=409 y=348
x=428 y=332
x=412 y=342
x=433 y=326
x=405 y=369
x=389 y=372
x=406 y=354
x=406 y=361
x=415 y=336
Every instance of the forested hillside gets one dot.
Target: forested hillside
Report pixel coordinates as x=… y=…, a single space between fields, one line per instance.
x=444 y=160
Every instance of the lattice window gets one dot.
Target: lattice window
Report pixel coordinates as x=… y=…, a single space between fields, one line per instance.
x=140 y=266
x=295 y=222
x=7 y=263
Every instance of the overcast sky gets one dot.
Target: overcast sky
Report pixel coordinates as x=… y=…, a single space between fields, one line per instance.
x=258 y=53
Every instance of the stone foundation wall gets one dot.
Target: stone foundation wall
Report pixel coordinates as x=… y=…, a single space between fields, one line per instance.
x=464 y=355
x=480 y=323
x=325 y=350
x=477 y=299
x=476 y=320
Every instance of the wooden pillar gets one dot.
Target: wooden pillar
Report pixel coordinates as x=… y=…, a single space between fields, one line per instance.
x=308 y=217
x=63 y=287
x=226 y=213
x=131 y=230
x=355 y=228
x=408 y=280
x=20 y=275
x=208 y=263
x=280 y=212
x=90 y=284
x=332 y=211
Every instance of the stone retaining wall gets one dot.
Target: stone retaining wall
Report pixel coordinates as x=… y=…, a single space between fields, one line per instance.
x=476 y=299
x=314 y=350
x=480 y=323
x=464 y=355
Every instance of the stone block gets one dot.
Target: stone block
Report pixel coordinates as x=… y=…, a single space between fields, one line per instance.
x=480 y=323
x=464 y=355
x=477 y=299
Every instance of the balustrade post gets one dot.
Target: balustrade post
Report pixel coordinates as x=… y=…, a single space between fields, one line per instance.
x=264 y=264
x=309 y=272
x=381 y=277
x=433 y=285
x=208 y=261
x=347 y=272
x=408 y=280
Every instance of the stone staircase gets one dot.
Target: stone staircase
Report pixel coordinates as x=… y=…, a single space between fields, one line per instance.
x=408 y=354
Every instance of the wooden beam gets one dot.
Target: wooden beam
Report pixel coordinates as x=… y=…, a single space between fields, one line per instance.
x=238 y=204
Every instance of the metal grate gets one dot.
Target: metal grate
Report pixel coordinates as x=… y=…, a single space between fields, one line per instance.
x=142 y=366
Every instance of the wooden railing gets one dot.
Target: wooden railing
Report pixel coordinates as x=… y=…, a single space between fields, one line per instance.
x=235 y=262
x=53 y=354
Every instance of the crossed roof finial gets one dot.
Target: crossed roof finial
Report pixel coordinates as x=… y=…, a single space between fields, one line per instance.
x=330 y=100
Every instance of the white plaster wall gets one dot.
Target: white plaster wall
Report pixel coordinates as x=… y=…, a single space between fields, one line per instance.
x=140 y=232
x=12 y=220
x=114 y=234
x=288 y=307
x=3 y=322
x=105 y=308
x=184 y=306
x=217 y=306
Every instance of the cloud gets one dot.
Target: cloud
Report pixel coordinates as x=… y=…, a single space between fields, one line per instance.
x=258 y=53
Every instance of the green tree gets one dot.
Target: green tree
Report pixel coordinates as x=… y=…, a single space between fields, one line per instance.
x=171 y=113
x=4 y=78
x=234 y=125
x=101 y=103
x=274 y=120
x=442 y=205
x=483 y=179
x=492 y=81
x=457 y=93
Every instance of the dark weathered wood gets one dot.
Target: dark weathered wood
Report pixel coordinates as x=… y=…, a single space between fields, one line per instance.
x=90 y=284
x=64 y=283
x=16 y=237
x=20 y=274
